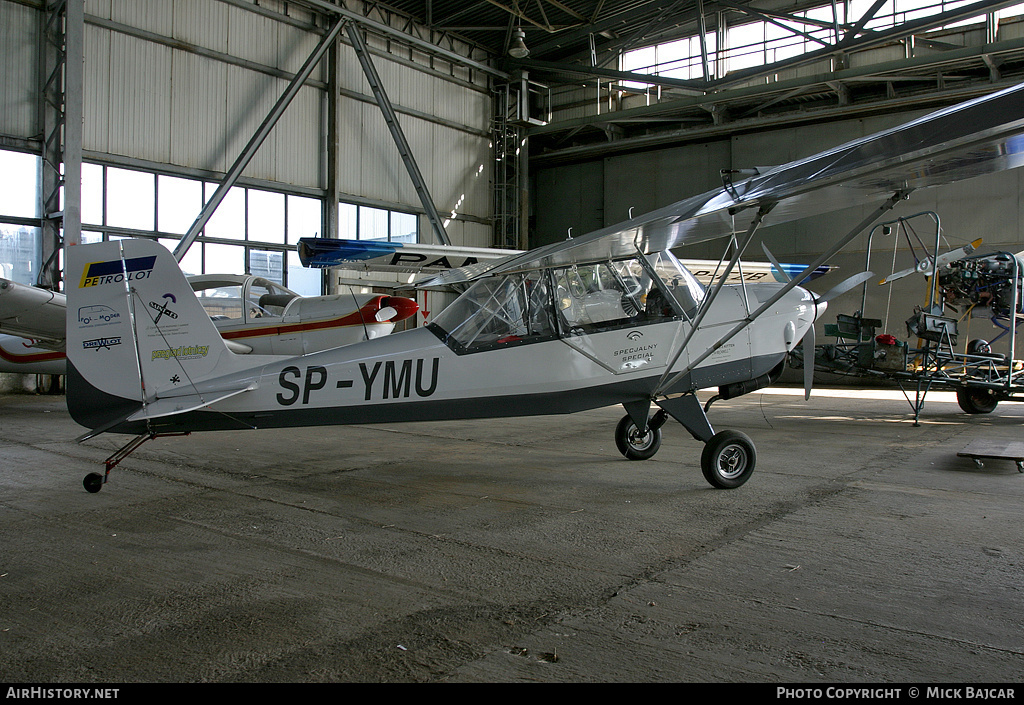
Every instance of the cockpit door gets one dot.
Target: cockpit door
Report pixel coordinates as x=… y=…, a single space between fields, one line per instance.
x=616 y=315
x=634 y=348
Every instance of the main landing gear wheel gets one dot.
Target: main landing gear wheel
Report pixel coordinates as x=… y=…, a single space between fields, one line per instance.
x=728 y=459
x=636 y=445
x=976 y=401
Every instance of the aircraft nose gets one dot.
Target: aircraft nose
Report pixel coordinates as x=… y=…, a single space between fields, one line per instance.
x=404 y=307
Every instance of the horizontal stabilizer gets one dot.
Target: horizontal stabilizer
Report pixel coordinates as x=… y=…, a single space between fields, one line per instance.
x=169 y=406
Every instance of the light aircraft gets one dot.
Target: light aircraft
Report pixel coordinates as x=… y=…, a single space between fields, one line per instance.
x=31 y=329
x=252 y=314
x=610 y=317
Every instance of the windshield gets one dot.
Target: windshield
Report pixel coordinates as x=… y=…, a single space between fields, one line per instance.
x=255 y=298
x=678 y=281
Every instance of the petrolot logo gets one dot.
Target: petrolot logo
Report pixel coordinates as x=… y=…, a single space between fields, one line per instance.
x=99 y=273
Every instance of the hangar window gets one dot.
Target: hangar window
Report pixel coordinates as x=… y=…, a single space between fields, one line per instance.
x=252 y=231
x=759 y=43
x=356 y=222
x=20 y=235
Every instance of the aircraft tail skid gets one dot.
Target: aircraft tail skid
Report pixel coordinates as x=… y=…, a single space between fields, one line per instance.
x=139 y=343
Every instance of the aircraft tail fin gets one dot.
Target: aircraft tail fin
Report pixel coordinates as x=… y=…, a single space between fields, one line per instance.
x=137 y=336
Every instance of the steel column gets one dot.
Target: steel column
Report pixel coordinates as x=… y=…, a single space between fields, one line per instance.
x=257 y=140
x=74 y=58
x=356 y=37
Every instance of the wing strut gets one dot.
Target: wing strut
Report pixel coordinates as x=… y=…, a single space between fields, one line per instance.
x=706 y=306
x=889 y=204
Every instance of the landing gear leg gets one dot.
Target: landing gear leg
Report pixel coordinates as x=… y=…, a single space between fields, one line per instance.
x=729 y=456
x=93 y=482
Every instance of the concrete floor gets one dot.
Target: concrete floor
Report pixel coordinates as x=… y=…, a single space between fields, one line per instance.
x=862 y=550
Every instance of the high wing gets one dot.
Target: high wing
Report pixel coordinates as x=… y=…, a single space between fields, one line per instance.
x=977 y=137
x=32 y=312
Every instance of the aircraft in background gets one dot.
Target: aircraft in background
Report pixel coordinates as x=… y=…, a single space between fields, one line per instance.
x=31 y=329
x=422 y=260
x=252 y=314
x=610 y=317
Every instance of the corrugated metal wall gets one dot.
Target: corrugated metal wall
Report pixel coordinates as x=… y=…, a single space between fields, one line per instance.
x=186 y=83
x=449 y=157
x=196 y=104
x=19 y=80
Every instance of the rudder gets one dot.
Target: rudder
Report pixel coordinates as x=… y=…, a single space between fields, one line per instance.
x=135 y=330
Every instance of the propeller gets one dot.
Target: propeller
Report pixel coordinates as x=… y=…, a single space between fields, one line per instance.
x=820 y=304
x=843 y=287
x=385 y=314
x=925 y=265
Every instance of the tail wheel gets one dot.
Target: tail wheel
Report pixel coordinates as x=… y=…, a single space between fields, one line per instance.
x=633 y=443
x=728 y=459
x=93 y=482
x=976 y=401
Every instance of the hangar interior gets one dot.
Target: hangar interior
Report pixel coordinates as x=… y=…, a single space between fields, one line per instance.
x=232 y=128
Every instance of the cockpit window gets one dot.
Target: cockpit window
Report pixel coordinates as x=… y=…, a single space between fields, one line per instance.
x=516 y=309
x=222 y=302
x=499 y=312
x=678 y=281
x=266 y=298
x=609 y=294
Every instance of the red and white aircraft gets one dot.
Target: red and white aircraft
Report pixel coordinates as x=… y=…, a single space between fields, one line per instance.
x=611 y=317
x=252 y=314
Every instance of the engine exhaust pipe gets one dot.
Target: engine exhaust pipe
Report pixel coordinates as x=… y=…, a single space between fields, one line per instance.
x=737 y=389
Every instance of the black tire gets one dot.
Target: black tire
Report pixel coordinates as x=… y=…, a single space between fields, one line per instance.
x=979 y=347
x=976 y=401
x=728 y=459
x=93 y=482
x=634 y=445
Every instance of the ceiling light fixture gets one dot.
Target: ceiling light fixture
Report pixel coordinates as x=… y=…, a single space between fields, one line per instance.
x=517 y=49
